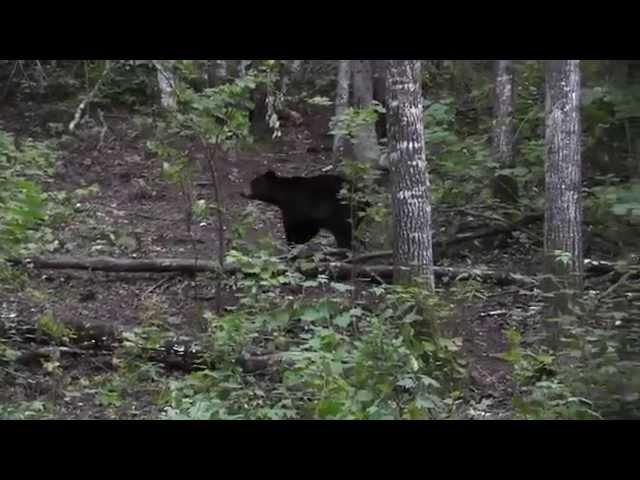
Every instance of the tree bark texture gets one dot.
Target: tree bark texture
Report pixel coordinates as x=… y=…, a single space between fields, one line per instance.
x=411 y=195
x=290 y=71
x=563 y=177
x=243 y=66
x=259 y=125
x=365 y=148
x=342 y=102
x=217 y=72
x=167 y=83
x=503 y=114
x=379 y=95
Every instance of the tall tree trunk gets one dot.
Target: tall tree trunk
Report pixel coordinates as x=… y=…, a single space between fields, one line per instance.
x=342 y=102
x=259 y=125
x=296 y=65
x=243 y=66
x=290 y=72
x=365 y=148
x=563 y=181
x=504 y=186
x=221 y=69
x=167 y=83
x=410 y=188
x=503 y=114
x=217 y=72
x=379 y=95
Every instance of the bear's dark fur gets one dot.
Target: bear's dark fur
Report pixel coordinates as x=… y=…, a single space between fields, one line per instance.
x=307 y=205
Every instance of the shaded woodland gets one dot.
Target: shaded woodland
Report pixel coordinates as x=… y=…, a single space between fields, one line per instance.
x=491 y=269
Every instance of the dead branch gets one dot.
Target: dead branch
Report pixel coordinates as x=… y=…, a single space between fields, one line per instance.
x=36 y=356
x=615 y=286
x=90 y=97
x=460 y=238
x=343 y=271
x=105 y=342
x=103 y=131
x=493 y=231
x=132 y=265
x=370 y=256
x=602 y=267
x=336 y=270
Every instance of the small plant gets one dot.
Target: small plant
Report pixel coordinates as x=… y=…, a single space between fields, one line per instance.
x=58 y=332
x=23 y=411
x=585 y=379
x=23 y=203
x=353 y=120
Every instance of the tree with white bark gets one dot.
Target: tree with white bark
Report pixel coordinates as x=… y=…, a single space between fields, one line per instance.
x=365 y=145
x=503 y=113
x=218 y=72
x=167 y=83
x=342 y=103
x=410 y=186
x=563 y=182
x=504 y=186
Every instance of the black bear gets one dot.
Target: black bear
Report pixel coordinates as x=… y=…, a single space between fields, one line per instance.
x=307 y=205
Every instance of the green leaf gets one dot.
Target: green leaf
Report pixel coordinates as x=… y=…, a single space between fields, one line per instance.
x=329 y=408
x=343 y=320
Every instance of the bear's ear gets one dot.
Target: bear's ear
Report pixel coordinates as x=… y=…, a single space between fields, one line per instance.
x=270 y=174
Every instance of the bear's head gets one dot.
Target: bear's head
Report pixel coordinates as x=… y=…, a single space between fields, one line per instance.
x=263 y=187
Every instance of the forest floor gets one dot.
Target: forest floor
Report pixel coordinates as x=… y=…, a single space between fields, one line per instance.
x=137 y=214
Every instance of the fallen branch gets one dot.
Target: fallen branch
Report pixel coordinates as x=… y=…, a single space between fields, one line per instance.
x=336 y=270
x=615 y=286
x=132 y=265
x=104 y=344
x=493 y=231
x=36 y=356
x=602 y=267
x=460 y=238
x=343 y=271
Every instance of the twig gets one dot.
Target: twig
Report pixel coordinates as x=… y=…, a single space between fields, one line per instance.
x=615 y=286
x=24 y=73
x=103 y=131
x=42 y=77
x=90 y=97
x=14 y=373
x=156 y=285
x=369 y=256
x=486 y=216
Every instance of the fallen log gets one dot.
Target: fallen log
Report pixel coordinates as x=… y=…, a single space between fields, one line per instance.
x=336 y=270
x=130 y=265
